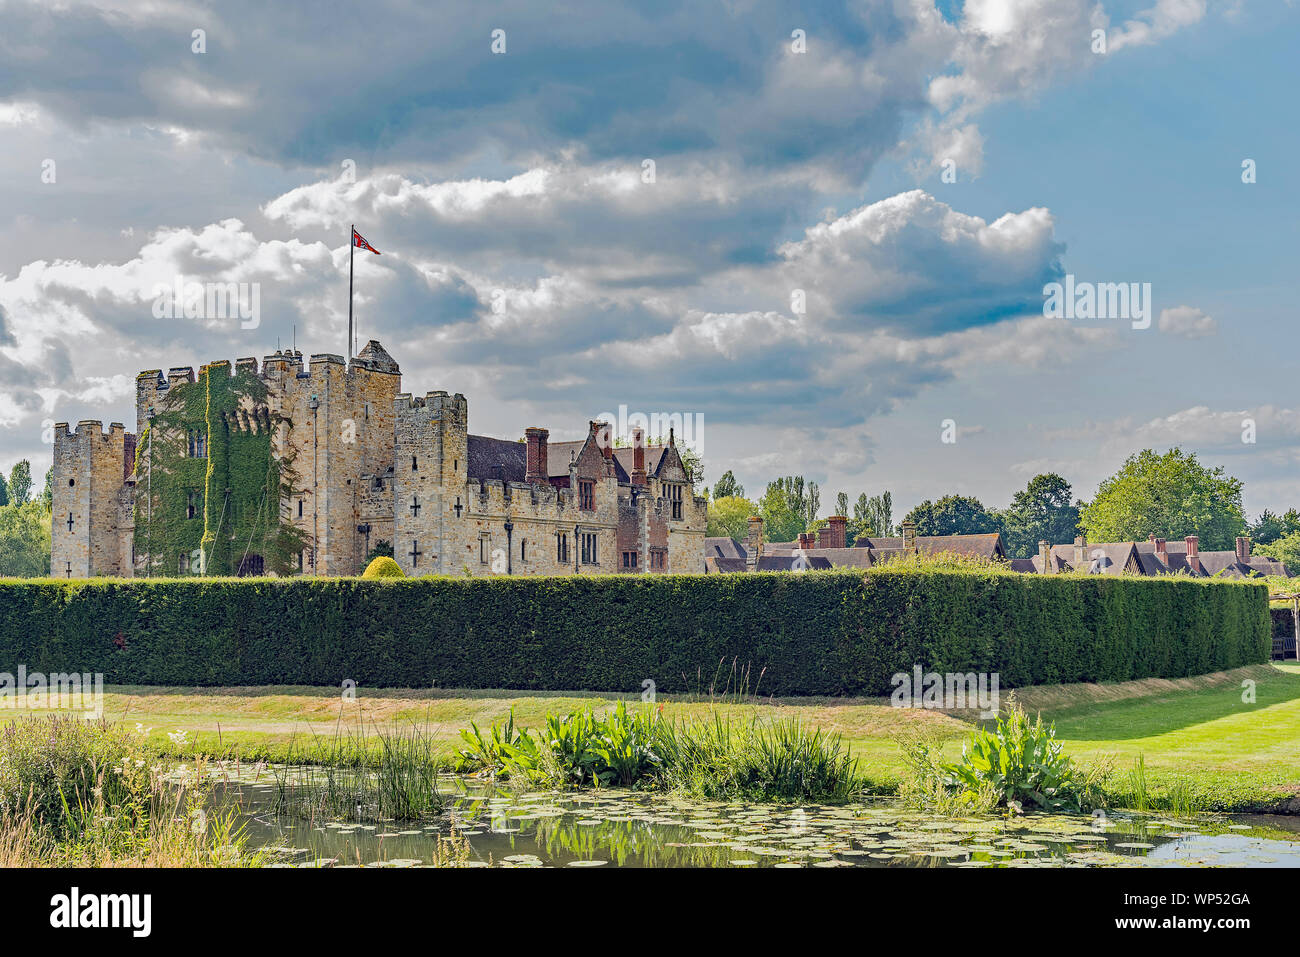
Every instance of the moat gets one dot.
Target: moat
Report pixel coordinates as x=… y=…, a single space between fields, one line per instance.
x=619 y=828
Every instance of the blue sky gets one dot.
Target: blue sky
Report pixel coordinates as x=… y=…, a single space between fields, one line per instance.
x=529 y=264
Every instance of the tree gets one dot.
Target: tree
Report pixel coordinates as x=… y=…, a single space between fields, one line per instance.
x=728 y=487
x=1285 y=549
x=1042 y=511
x=4 y=490
x=383 y=549
x=729 y=517
x=47 y=496
x=1170 y=496
x=952 y=515
x=842 y=504
x=20 y=483
x=788 y=507
x=24 y=541
x=879 y=514
x=1269 y=527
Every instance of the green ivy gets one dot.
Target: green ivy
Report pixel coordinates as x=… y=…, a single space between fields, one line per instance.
x=234 y=492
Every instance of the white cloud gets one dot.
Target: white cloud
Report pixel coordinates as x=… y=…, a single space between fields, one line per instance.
x=1186 y=321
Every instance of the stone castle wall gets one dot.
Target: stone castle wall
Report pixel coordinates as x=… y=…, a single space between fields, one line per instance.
x=372 y=464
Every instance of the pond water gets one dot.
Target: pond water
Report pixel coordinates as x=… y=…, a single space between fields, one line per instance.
x=618 y=828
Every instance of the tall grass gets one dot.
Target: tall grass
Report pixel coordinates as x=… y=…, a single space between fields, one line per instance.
x=340 y=778
x=1177 y=797
x=75 y=794
x=778 y=761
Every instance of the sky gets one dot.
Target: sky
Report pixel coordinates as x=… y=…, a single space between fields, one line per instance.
x=826 y=231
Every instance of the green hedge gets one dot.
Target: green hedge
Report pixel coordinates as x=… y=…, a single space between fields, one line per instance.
x=820 y=633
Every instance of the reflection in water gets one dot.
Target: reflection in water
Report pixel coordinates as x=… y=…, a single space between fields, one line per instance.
x=648 y=829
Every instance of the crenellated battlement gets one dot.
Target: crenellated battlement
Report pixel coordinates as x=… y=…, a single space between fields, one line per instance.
x=89 y=430
x=363 y=465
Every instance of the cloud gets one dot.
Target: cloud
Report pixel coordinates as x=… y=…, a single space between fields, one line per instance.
x=1156 y=23
x=914 y=264
x=1186 y=321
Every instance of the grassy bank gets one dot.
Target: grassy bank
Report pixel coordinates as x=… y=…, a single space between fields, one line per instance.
x=1195 y=734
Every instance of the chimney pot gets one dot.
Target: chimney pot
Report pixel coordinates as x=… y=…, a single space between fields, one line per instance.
x=1193 y=547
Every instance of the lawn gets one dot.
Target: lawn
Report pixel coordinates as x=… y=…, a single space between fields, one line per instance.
x=1235 y=753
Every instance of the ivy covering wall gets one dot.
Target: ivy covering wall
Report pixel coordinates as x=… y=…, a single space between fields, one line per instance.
x=208 y=483
x=822 y=633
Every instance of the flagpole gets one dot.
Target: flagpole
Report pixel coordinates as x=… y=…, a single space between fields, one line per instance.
x=352 y=245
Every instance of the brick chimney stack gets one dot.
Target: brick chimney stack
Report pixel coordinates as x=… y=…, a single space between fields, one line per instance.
x=834 y=534
x=754 y=543
x=909 y=534
x=535 y=468
x=807 y=540
x=1193 y=552
x=1162 y=550
x=638 y=457
x=1045 y=556
x=1243 y=549
x=1080 y=562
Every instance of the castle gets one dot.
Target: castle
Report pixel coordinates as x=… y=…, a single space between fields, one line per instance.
x=291 y=470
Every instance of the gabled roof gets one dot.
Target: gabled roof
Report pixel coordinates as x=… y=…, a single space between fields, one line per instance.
x=984 y=545
x=484 y=452
x=724 y=548
x=1100 y=558
x=559 y=455
x=654 y=455
x=724 y=565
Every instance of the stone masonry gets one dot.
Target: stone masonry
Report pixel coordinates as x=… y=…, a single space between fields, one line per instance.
x=373 y=464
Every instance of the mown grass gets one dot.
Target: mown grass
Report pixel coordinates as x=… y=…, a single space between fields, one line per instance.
x=1196 y=736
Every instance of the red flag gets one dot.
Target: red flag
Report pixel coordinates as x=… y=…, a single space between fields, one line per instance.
x=360 y=243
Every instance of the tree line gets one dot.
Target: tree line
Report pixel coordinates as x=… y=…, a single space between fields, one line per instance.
x=24 y=523
x=1170 y=495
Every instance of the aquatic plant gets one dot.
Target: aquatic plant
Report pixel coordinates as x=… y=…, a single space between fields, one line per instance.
x=780 y=760
x=342 y=780
x=1017 y=764
x=1025 y=766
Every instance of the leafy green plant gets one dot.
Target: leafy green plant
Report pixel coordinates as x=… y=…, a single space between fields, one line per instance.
x=780 y=760
x=1023 y=765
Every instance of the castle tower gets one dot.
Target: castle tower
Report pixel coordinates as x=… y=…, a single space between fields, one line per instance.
x=89 y=535
x=429 y=487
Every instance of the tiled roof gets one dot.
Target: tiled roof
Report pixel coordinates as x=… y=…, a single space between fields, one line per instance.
x=483 y=453
x=724 y=548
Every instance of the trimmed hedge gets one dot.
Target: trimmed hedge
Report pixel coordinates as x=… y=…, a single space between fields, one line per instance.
x=822 y=633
